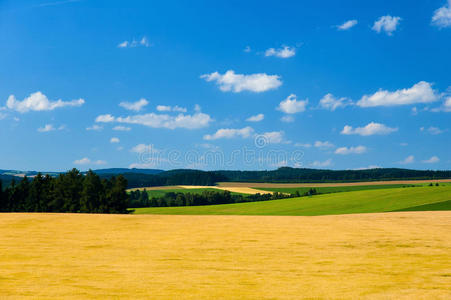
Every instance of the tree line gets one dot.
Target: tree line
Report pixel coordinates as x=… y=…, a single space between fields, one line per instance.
x=72 y=192
x=141 y=198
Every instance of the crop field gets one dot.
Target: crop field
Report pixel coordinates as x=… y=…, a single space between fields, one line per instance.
x=365 y=201
x=391 y=255
x=335 y=189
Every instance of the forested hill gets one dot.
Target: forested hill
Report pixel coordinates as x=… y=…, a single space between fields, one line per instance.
x=286 y=174
x=196 y=177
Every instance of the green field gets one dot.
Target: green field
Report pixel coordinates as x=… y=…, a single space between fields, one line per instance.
x=337 y=189
x=366 y=201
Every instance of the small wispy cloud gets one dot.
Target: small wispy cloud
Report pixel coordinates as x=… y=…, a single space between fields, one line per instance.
x=284 y=52
x=143 y=42
x=347 y=25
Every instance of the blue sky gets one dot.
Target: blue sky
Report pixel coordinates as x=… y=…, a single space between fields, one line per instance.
x=225 y=85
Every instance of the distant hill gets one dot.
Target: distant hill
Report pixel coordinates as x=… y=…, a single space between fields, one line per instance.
x=299 y=175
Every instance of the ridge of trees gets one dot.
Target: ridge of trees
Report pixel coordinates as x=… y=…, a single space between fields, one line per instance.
x=68 y=192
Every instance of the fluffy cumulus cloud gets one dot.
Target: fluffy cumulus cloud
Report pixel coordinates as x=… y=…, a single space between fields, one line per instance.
x=331 y=103
x=442 y=16
x=228 y=133
x=350 y=150
x=143 y=42
x=230 y=81
x=432 y=160
x=446 y=107
x=321 y=164
x=171 y=108
x=256 y=118
x=87 y=161
x=39 y=102
x=194 y=121
x=135 y=106
x=284 y=52
x=291 y=105
x=347 y=25
x=408 y=160
x=388 y=24
x=114 y=140
x=370 y=129
x=421 y=92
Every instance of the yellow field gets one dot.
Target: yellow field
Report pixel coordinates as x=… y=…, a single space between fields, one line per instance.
x=390 y=256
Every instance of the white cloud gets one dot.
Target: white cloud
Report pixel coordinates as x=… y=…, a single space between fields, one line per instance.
x=143 y=42
x=291 y=105
x=284 y=52
x=331 y=103
x=370 y=129
x=46 y=128
x=50 y=127
x=442 y=16
x=347 y=25
x=39 y=102
x=114 y=140
x=408 y=160
x=387 y=24
x=432 y=160
x=228 y=133
x=95 y=127
x=135 y=106
x=351 y=150
x=446 y=106
x=105 y=118
x=323 y=145
x=195 y=121
x=287 y=119
x=421 y=92
x=321 y=164
x=124 y=44
x=433 y=130
x=87 y=161
x=230 y=81
x=3 y=116
x=256 y=118
x=121 y=128
x=171 y=108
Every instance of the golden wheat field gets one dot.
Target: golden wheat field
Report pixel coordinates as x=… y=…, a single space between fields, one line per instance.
x=387 y=255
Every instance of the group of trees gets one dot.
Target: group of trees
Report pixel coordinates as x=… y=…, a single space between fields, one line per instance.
x=68 y=192
x=141 y=198
x=287 y=174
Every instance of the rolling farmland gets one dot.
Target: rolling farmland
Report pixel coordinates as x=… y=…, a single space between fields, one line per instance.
x=365 y=201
